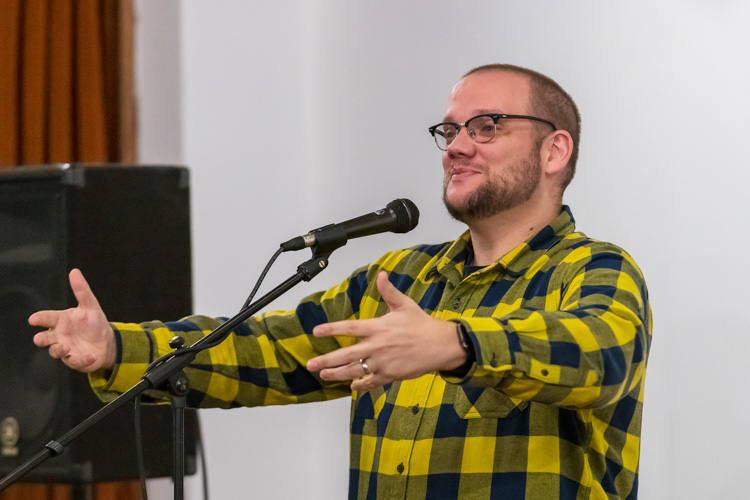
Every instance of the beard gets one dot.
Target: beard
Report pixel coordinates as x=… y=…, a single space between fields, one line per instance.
x=498 y=193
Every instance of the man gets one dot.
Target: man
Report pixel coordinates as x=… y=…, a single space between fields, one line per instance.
x=508 y=363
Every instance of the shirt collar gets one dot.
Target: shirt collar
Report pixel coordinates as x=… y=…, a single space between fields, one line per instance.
x=518 y=260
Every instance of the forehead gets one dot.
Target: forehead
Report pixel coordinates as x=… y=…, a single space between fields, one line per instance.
x=488 y=92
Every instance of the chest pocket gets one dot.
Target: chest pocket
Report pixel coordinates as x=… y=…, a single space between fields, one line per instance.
x=480 y=402
x=370 y=403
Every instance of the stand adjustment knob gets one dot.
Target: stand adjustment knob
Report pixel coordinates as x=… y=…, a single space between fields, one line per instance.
x=176 y=342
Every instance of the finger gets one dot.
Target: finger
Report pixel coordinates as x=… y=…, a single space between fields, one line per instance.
x=82 y=290
x=334 y=359
x=391 y=295
x=365 y=383
x=47 y=319
x=350 y=327
x=43 y=339
x=350 y=371
x=57 y=351
x=80 y=365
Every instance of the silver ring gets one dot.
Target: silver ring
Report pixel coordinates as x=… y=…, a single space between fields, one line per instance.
x=364 y=366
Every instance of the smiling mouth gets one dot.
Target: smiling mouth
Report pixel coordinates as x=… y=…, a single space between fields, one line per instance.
x=460 y=172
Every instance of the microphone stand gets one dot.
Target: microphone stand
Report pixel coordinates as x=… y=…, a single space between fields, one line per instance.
x=170 y=374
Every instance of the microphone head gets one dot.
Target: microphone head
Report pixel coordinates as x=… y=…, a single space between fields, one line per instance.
x=407 y=215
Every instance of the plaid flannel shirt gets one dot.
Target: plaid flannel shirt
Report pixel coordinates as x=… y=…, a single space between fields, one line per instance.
x=550 y=409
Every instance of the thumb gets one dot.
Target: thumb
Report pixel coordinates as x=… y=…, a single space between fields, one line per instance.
x=82 y=291
x=391 y=295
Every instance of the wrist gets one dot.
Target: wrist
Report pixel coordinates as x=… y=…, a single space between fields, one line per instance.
x=468 y=357
x=110 y=357
x=463 y=338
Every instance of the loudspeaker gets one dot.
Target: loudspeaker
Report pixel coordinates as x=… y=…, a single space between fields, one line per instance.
x=128 y=229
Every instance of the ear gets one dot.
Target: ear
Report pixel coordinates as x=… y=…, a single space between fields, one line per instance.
x=556 y=150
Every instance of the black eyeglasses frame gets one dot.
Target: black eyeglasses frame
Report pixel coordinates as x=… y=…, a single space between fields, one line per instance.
x=495 y=118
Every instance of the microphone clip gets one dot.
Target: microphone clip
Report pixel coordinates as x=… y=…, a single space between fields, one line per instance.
x=323 y=240
x=327 y=239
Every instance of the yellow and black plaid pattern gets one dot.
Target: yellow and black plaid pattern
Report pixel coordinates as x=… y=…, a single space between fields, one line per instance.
x=551 y=408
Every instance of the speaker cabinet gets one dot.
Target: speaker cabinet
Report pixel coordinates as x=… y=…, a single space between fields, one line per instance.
x=128 y=229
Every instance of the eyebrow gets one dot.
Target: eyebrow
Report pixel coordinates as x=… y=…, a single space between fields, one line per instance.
x=477 y=112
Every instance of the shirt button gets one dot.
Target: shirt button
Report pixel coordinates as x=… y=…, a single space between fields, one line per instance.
x=415 y=409
x=545 y=372
x=456 y=302
x=400 y=468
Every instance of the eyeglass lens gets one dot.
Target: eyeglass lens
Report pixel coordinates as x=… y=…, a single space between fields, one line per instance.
x=480 y=129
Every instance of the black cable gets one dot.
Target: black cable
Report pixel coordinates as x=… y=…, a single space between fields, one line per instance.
x=203 y=347
x=139 y=445
x=262 y=277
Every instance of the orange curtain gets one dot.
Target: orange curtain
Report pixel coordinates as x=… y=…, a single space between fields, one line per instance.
x=66 y=82
x=67 y=95
x=102 y=491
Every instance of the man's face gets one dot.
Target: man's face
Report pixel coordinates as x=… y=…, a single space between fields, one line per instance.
x=482 y=180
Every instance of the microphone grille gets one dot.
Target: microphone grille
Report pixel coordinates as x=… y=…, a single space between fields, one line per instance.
x=407 y=215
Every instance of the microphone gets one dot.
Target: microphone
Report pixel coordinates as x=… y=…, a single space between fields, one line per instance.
x=399 y=216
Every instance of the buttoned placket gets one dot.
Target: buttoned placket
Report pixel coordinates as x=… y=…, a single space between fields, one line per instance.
x=412 y=398
x=414 y=394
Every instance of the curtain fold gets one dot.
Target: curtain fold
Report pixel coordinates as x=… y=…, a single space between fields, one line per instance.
x=66 y=82
x=9 y=101
x=67 y=95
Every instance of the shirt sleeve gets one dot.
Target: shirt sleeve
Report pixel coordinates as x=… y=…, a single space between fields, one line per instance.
x=588 y=352
x=261 y=363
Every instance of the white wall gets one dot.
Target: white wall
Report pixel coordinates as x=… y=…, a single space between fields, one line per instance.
x=295 y=114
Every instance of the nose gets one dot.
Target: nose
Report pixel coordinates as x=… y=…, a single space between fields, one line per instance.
x=462 y=144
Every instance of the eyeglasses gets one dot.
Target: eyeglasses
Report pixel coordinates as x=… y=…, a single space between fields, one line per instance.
x=481 y=128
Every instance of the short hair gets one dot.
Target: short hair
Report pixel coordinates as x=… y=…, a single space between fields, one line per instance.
x=548 y=100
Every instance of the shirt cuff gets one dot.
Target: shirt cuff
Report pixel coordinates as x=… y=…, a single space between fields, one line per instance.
x=134 y=345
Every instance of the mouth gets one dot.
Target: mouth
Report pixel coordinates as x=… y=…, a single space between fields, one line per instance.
x=460 y=172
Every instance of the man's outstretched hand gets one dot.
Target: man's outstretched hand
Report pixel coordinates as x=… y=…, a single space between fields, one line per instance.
x=81 y=337
x=405 y=343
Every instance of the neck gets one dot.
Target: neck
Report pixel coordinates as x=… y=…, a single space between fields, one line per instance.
x=493 y=237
